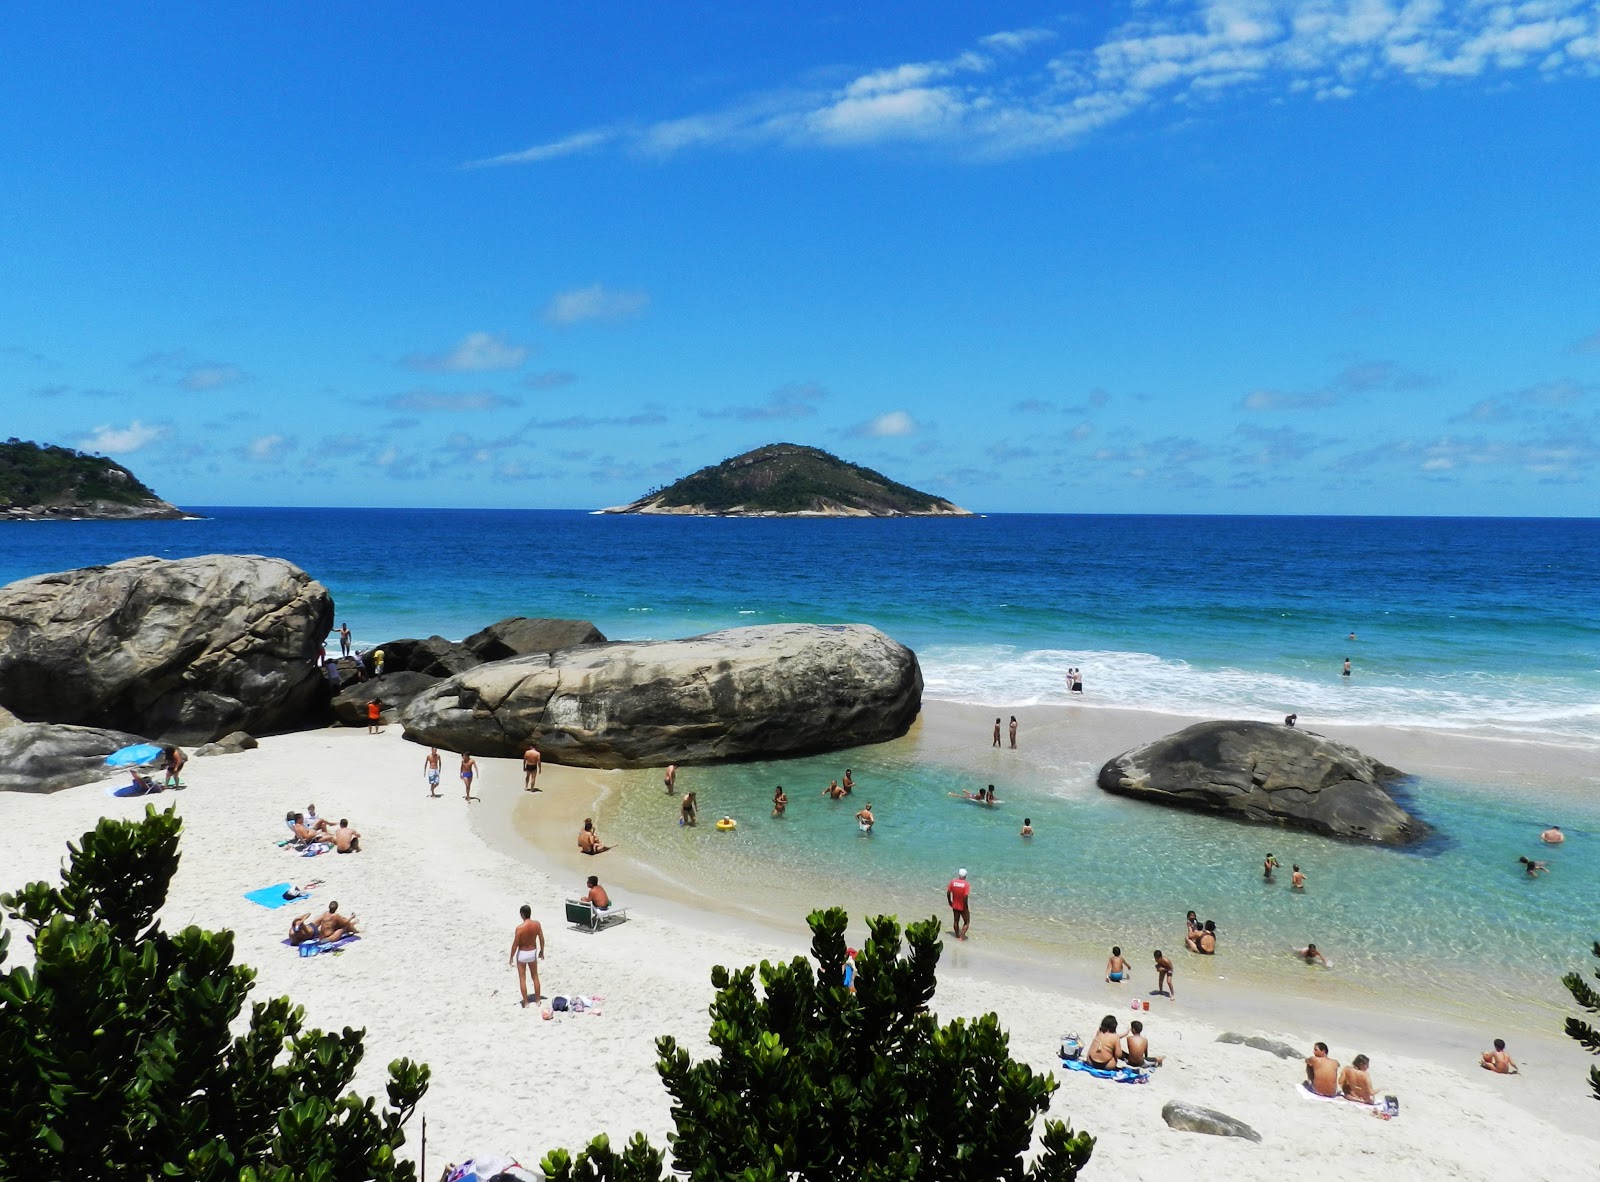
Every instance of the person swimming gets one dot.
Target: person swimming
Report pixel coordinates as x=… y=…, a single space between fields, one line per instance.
x=1534 y=869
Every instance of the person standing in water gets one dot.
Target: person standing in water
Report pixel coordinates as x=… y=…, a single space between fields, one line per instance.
x=1267 y=867
x=670 y=778
x=1297 y=880
x=1013 y=731
x=1027 y=827
x=848 y=784
x=866 y=819
x=997 y=732
x=688 y=810
x=780 y=801
x=1346 y=672
x=430 y=769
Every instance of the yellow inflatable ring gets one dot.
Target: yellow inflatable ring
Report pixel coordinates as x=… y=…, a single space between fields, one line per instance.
x=727 y=823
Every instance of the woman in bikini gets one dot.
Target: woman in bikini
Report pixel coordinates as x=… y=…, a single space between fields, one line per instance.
x=780 y=801
x=1103 y=1051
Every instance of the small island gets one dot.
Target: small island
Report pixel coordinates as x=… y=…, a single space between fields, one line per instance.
x=790 y=480
x=42 y=482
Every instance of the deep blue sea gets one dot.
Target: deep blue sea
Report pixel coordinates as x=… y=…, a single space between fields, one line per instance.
x=1460 y=624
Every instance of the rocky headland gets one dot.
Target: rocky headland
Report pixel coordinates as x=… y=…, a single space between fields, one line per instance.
x=1267 y=774
x=41 y=482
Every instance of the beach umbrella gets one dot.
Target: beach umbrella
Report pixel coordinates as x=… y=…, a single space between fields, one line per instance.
x=134 y=756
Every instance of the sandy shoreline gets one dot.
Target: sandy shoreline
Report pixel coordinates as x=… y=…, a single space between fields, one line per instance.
x=437 y=889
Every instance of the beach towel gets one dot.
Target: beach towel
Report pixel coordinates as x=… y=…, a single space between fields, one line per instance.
x=126 y=790
x=1304 y=1088
x=272 y=896
x=320 y=946
x=311 y=851
x=1127 y=1075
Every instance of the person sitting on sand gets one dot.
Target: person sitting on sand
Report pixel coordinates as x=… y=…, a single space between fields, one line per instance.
x=1322 y=1072
x=174 y=761
x=1164 y=975
x=688 y=810
x=589 y=840
x=345 y=839
x=1534 y=869
x=1553 y=836
x=303 y=833
x=866 y=819
x=1106 y=1048
x=1310 y=955
x=780 y=801
x=1354 y=1081
x=1498 y=1061
x=302 y=930
x=1139 y=1047
x=1117 y=970
x=1206 y=944
x=142 y=783
x=313 y=822
x=333 y=926
x=1192 y=922
x=597 y=895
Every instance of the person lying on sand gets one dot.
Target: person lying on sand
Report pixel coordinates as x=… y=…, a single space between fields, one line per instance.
x=1106 y=1048
x=1498 y=1061
x=1310 y=955
x=1322 y=1072
x=589 y=840
x=1355 y=1083
x=1117 y=969
x=345 y=839
x=1139 y=1047
x=302 y=930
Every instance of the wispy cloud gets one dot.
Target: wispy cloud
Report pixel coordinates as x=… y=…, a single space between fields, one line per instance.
x=595 y=302
x=550 y=379
x=478 y=352
x=1589 y=344
x=210 y=375
x=1531 y=402
x=438 y=400
x=268 y=449
x=123 y=440
x=797 y=400
x=587 y=422
x=1007 y=94
x=892 y=425
x=1351 y=382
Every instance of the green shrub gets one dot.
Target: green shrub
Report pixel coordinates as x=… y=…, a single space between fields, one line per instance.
x=1588 y=997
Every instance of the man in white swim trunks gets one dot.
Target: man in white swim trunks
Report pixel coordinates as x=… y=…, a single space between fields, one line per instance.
x=527 y=949
x=430 y=768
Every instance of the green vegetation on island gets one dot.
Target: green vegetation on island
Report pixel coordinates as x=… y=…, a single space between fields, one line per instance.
x=787 y=478
x=42 y=480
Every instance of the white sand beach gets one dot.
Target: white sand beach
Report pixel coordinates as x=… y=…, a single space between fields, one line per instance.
x=436 y=890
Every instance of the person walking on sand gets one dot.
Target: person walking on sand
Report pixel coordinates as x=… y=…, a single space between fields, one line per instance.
x=997 y=732
x=1498 y=1061
x=865 y=819
x=469 y=773
x=527 y=950
x=670 y=778
x=344 y=640
x=1164 y=975
x=780 y=801
x=374 y=716
x=959 y=895
x=431 y=767
x=531 y=762
x=1013 y=731
x=1297 y=881
x=1322 y=1072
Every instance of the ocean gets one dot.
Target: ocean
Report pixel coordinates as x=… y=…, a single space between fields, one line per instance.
x=1461 y=625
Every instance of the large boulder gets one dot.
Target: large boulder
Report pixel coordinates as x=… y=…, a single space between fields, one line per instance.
x=39 y=757
x=188 y=649
x=519 y=636
x=1271 y=1045
x=745 y=693
x=1268 y=774
x=394 y=690
x=1192 y=1118
x=229 y=745
x=434 y=656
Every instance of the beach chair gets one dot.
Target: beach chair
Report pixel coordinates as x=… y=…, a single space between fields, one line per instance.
x=590 y=918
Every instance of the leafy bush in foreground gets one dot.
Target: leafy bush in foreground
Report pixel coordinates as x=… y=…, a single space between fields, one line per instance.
x=117 y=1053
x=814 y=1082
x=1588 y=997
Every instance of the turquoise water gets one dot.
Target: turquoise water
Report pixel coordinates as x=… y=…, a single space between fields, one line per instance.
x=1462 y=624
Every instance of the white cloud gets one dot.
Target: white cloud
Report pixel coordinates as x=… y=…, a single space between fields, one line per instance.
x=439 y=400
x=595 y=302
x=211 y=376
x=478 y=352
x=267 y=448
x=1005 y=97
x=894 y=424
x=122 y=440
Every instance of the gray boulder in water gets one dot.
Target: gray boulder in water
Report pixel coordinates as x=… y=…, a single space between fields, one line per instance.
x=39 y=757
x=1267 y=774
x=743 y=693
x=1192 y=1118
x=188 y=649
x=434 y=656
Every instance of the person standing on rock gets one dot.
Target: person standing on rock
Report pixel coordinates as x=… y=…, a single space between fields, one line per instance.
x=430 y=770
x=670 y=778
x=531 y=762
x=377 y=662
x=344 y=640
x=997 y=732
x=1013 y=732
x=469 y=773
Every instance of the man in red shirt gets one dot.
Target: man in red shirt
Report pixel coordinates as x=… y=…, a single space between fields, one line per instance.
x=958 y=894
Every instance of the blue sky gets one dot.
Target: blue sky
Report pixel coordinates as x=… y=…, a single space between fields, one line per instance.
x=1325 y=257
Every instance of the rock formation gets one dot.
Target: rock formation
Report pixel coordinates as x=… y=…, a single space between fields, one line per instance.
x=743 y=693
x=231 y=744
x=1192 y=1118
x=1268 y=774
x=394 y=690
x=185 y=650
x=434 y=656
x=39 y=757
x=518 y=636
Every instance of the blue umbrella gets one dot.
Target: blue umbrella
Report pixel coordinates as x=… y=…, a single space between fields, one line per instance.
x=134 y=756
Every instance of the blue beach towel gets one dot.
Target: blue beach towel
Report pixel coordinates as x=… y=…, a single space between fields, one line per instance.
x=272 y=896
x=341 y=942
x=1126 y=1075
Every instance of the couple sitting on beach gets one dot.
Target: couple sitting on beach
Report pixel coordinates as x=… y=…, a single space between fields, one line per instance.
x=310 y=830
x=1202 y=938
x=1106 y=1052
x=1325 y=1078
x=324 y=929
